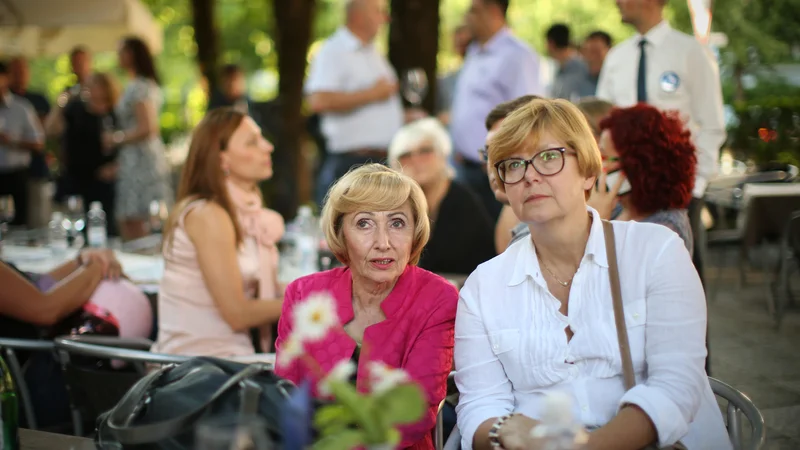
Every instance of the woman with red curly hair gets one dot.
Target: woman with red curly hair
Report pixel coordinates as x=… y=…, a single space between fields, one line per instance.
x=649 y=165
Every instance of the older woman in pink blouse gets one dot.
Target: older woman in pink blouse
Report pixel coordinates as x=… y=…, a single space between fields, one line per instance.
x=375 y=222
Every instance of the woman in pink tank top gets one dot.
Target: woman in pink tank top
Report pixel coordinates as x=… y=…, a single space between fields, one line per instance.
x=221 y=259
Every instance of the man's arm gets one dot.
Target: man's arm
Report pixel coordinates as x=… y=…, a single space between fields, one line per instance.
x=332 y=101
x=32 y=138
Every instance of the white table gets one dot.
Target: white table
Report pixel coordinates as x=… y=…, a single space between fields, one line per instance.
x=144 y=270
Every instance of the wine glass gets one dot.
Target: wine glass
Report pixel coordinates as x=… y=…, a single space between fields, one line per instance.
x=227 y=433
x=415 y=86
x=6 y=216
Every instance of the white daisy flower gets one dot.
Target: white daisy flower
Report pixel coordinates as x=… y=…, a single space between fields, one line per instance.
x=383 y=378
x=290 y=350
x=340 y=373
x=315 y=316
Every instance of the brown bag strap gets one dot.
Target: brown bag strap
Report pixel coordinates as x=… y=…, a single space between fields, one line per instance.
x=619 y=310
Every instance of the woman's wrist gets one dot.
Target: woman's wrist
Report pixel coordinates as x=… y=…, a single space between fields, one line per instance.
x=494 y=432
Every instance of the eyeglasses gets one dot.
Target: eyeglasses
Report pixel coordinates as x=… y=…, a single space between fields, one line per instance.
x=547 y=163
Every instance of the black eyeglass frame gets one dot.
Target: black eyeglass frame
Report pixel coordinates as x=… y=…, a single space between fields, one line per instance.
x=529 y=162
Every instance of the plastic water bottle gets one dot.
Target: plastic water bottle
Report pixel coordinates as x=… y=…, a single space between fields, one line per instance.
x=57 y=235
x=96 y=231
x=306 y=241
x=559 y=430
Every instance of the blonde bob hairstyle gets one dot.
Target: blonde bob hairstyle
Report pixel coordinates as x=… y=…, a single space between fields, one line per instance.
x=373 y=187
x=524 y=127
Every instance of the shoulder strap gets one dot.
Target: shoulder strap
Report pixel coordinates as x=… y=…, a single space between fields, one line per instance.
x=619 y=310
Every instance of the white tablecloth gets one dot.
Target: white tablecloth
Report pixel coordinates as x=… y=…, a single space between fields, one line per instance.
x=145 y=271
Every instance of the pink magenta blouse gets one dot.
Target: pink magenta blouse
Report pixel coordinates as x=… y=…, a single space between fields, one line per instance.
x=417 y=336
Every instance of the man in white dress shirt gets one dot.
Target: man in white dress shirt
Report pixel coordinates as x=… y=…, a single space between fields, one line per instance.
x=671 y=71
x=354 y=89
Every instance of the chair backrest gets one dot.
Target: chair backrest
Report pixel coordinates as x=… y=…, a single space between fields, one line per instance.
x=792 y=235
x=739 y=404
x=95 y=379
x=10 y=348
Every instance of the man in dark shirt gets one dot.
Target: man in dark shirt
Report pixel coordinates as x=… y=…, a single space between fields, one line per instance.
x=19 y=79
x=572 y=81
x=594 y=50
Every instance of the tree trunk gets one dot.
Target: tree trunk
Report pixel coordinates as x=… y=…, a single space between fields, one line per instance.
x=293 y=21
x=738 y=74
x=205 y=35
x=414 y=41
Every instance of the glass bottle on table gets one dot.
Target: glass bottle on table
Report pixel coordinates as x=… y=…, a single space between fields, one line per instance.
x=9 y=410
x=96 y=229
x=58 y=235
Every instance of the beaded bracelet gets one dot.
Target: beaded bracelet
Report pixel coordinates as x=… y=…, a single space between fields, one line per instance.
x=494 y=432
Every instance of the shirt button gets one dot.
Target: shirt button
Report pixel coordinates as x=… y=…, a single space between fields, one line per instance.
x=635 y=315
x=494 y=347
x=585 y=408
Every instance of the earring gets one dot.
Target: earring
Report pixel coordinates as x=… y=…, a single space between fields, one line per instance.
x=226 y=172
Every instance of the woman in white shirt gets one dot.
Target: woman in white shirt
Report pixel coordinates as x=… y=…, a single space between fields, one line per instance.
x=538 y=318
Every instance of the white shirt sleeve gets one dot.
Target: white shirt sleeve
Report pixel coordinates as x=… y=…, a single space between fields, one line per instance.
x=326 y=73
x=605 y=83
x=675 y=351
x=706 y=109
x=485 y=391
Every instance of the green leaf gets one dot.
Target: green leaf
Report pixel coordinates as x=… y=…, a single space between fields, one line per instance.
x=346 y=440
x=330 y=419
x=362 y=408
x=401 y=405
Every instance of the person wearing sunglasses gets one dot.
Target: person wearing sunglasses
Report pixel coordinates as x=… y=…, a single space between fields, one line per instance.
x=538 y=319
x=649 y=164
x=462 y=234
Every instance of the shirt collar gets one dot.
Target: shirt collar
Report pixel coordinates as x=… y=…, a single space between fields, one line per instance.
x=494 y=42
x=657 y=34
x=527 y=264
x=351 y=41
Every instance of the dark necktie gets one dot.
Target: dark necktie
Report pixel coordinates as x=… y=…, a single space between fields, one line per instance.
x=641 y=79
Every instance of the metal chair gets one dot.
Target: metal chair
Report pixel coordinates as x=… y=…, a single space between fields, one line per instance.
x=739 y=403
x=93 y=386
x=10 y=347
x=789 y=260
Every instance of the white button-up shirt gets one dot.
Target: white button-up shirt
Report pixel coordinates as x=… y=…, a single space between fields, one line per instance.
x=18 y=122
x=681 y=75
x=511 y=348
x=345 y=64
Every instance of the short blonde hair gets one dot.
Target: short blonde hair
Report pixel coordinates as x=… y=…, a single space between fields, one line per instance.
x=373 y=187
x=558 y=117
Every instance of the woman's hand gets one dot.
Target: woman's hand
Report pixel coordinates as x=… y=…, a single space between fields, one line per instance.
x=110 y=267
x=515 y=434
x=604 y=200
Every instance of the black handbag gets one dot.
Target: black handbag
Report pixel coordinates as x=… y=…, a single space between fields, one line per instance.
x=161 y=410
